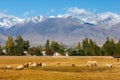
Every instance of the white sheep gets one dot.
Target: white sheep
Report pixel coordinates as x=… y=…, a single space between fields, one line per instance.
x=108 y=65
x=91 y=63
x=29 y=63
x=43 y=65
x=20 y=67
x=34 y=65
x=8 y=67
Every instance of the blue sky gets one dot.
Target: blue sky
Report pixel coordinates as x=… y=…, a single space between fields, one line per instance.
x=23 y=8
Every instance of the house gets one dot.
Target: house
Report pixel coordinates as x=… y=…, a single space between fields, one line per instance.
x=56 y=54
x=43 y=53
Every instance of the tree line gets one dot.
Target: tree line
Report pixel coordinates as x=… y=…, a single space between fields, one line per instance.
x=88 y=47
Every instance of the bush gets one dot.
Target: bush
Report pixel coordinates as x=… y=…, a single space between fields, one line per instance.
x=35 y=51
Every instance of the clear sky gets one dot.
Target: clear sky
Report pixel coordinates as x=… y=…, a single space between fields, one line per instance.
x=22 y=8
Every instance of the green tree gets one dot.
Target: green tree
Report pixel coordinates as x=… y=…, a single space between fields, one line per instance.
x=94 y=48
x=80 y=51
x=109 y=47
x=61 y=50
x=117 y=49
x=26 y=45
x=19 y=45
x=79 y=46
x=56 y=47
x=72 y=52
x=35 y=51
x=86 y=46
x=47 y=44
x=48 y=49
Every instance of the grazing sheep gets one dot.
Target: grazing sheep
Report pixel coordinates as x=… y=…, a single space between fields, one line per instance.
x=29 y=63
x=108 y=65
x=91 y=63
x=33 y=65
x=20 y=67
x=39 y=63
x=43 y=65
x=8 y=67
x=26 y=65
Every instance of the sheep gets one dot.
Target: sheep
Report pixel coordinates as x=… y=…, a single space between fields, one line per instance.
x=108 y=65
x=33 y=65
x=8 y=67
x=39 y=63
x=26 y=65
x=20 y=67
x=29 y=63
x=91 y=63
x=43 y=65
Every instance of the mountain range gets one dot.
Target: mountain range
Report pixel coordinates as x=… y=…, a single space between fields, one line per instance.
x=66 y=28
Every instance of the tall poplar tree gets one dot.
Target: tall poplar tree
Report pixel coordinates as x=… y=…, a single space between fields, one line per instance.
x=10 y=46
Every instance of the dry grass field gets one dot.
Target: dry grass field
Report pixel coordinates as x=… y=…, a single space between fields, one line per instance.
x=63 y=71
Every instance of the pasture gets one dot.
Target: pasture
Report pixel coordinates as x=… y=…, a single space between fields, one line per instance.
x=59 y=68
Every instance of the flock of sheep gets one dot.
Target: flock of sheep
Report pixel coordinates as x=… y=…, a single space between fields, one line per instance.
x=43 y=65
x=94 y=64
x=27 y=65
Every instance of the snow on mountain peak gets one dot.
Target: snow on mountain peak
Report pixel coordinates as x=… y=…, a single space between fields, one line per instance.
x=6 y=21
x=35 y=19
x=82 y=15
x=108 y=18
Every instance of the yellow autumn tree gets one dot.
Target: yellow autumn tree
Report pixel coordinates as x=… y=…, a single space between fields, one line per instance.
x=10 y=46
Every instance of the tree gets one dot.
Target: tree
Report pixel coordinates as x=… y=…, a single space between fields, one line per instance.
x=10 y=46
x=86 y=46
x=94 y=48
x=80 y=51
x=1 y=52
x=48 y=50
x=61 y=50
x=79 y=46
x=20 y=45
x=47 y=44
x=35 y=51
x=109 y=47
x=72 y=52
x=90 y=47
x=56 y=47
x=10 y=42
x=26 y=45
x=117 y=49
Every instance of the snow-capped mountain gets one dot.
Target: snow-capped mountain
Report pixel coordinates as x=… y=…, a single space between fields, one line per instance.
x=108 y=18
x=35 y=19
x=7 y=21
x=68 y=28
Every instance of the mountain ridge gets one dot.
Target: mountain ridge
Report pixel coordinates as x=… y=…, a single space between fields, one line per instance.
x=67 y=29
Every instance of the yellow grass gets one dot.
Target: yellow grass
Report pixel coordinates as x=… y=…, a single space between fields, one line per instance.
x=65 y=71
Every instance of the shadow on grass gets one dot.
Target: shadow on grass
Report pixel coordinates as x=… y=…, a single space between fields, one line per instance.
x=76 y=69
